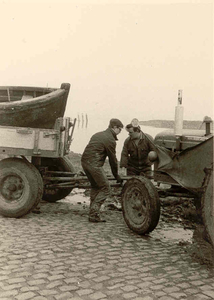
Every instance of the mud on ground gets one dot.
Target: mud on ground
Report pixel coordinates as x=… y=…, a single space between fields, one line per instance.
x=174 y=210
x=184 y=212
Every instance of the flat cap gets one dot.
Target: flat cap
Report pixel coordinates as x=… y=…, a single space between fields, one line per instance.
x=115 y=122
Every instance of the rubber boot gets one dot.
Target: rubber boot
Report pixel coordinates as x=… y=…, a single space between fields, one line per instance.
x=94 y=214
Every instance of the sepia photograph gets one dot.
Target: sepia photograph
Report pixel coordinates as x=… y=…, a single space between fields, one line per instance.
x=106 y=150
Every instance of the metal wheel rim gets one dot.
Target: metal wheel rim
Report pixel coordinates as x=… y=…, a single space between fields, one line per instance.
x=136 y=205
x=12 y=187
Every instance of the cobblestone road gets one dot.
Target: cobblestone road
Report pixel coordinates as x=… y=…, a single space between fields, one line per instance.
x=58 y=254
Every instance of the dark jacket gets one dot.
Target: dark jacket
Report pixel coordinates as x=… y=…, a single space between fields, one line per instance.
x=101 y=145
x=137 y=155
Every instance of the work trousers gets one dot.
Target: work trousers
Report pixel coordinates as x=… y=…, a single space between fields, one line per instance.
x=142 y=171
x=100 y=188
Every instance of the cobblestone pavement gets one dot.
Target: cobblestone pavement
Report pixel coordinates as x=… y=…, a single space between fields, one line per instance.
x=58 y=254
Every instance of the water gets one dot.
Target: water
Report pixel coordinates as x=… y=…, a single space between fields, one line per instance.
x=82 y=135
x=166 y=232
x=173 y=233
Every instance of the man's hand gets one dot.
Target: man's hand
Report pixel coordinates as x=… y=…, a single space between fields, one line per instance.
x=119 y=179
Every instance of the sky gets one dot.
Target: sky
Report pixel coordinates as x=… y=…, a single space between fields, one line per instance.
x=123 y=59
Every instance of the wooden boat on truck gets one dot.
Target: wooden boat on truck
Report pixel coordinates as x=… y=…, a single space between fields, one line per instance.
x=36 y=107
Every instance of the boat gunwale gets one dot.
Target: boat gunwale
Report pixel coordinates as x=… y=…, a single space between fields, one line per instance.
x=27 y=88
x=44 y=98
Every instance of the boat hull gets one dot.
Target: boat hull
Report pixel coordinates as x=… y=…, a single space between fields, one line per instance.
x=37 y=112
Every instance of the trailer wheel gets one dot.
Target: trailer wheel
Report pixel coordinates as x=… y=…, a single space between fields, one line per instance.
x=141 y=205
x=40 y=182
x=207 y=202
x=57 y=164
x=21 y=187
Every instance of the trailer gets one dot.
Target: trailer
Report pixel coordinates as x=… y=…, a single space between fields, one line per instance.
x=30 y=151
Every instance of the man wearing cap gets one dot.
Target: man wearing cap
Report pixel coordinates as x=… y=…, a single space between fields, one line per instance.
x=100 y=146
x=134 y=156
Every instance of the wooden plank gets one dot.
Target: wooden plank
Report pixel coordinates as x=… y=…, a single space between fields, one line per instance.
x=36 y=141
x=27 y=152
x=24 y=138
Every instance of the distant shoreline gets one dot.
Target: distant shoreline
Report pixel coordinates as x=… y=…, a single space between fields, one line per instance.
x=170 y=124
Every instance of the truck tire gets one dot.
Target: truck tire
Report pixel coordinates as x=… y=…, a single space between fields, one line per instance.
x=40 y=182
x=207 y=203
x=57 y=164
x=140 y=205
x=21 y=187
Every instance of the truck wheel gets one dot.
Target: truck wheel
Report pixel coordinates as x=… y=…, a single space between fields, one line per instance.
x=40 y=182
x=21 y=187
x=57 y=164
x=207 y=202
x=141 y=205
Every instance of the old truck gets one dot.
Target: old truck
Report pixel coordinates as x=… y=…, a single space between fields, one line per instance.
x=36 y=167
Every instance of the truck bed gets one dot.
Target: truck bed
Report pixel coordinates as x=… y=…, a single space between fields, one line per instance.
x=36 y=141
